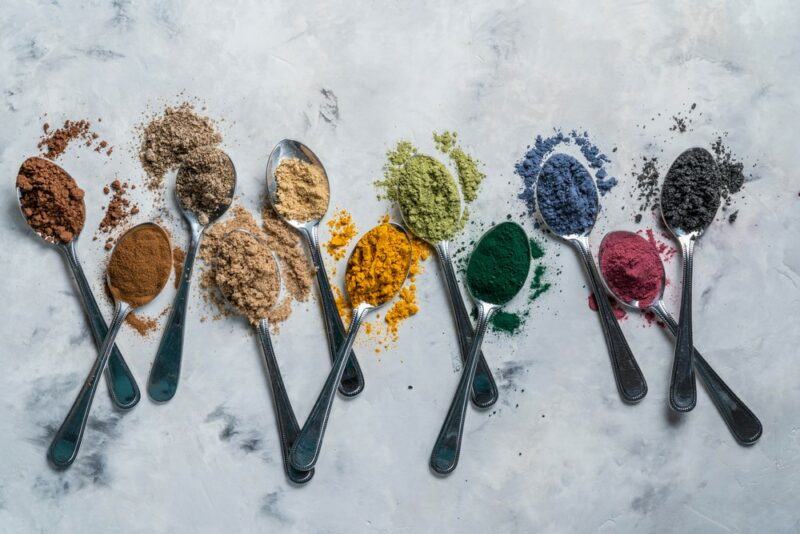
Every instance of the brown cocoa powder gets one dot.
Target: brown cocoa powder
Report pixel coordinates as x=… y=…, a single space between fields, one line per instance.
x=140 y=264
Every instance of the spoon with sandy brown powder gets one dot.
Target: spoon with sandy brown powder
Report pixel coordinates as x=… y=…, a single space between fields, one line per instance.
x=298 y=189
x=137 y=272
x=204 y=187
x=52 y=204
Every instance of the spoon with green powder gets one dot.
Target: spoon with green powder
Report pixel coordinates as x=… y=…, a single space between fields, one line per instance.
x=568 y=204
x=496 y=271
x=352 y=381
x=430 y=204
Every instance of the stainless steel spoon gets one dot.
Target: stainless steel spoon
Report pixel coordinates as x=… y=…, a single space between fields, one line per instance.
x=122 y=386
x=484 y=389
x=305 y=451
x=284 y=414
x=742 y=423
x=682 y=389
x=629 y=378
x=67 y=441
x=446 y=450
x=352 y=379
x=163 y=380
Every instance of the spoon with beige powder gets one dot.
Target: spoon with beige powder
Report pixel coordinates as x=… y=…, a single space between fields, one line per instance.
x=298 y=189
x=248 y=277
x=204 y=187
x=139 y=268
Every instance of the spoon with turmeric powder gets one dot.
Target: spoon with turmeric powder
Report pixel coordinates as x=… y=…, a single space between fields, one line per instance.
x=139 y=268
x=376 y=270
x=299 y=191
x=52 y=204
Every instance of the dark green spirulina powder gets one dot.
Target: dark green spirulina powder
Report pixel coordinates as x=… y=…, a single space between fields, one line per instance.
x=499 y=265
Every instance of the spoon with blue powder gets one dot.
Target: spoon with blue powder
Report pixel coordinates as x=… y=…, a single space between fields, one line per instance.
x=568 y=204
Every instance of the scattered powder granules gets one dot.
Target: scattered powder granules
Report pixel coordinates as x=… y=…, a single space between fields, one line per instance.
x=119 y=208
x=142 y=324
x=51 y=200
x=303 y=192
x=205 y=182
x=178 y=257
x=648 y=186
x=168 y=139
x=469 y=176
x=53 y=143
x=731 y=174
x=247 y=275
x=342 y=230
x=297 y=272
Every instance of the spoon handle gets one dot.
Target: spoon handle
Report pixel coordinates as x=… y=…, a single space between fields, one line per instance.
x=742 y=422
x=121 y=385
x=284 y=415
x=163 y=381
x=309 y=442
x=630 y=380
x=352 y=382
x=484 y=389
x=682 y=388
x=446 y=450
x=64 y=448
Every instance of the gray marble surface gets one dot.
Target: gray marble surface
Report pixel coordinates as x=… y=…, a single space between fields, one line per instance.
x=560 y=452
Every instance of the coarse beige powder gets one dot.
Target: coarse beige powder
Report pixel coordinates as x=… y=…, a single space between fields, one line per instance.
x=303 y=192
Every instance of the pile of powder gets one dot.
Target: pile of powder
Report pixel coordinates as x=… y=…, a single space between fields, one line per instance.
x=51 y=200
x=169 y=138
x=141 y=324
x=140 y=264
x=295 y=272
x=648 y=182
x=469 y=176
x=529 y=167
x=302 y=190
x=631 y=267
x=119 y=208
x=567 y=196
x=247 y=275
x=342 y=229
x=690 y=195
x=425 y=191
x=378 y=266
x=53 y=143
x=499 y=265
x=205 y=182
x=731 y=173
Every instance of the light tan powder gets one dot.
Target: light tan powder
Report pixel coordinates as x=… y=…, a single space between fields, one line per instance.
x=303 y=192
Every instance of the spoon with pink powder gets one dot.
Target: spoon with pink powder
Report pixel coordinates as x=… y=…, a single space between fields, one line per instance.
x=633 y=273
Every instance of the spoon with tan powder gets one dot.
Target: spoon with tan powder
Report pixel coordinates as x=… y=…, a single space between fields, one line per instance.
x=52 y=204
x=139 y=268
x=301 y=159
x=204 y=188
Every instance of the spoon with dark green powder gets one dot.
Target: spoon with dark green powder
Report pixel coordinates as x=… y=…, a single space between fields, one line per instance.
x=430 y=203
x=496 y=271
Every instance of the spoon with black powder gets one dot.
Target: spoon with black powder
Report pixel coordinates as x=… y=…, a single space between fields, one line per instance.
x=690 y=198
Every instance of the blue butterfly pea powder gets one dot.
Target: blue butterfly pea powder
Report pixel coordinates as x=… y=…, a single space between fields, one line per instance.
x=567 y=195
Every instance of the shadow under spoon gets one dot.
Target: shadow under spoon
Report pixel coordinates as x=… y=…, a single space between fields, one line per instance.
x=162 y=384
x=122 y=385
x=352 y=380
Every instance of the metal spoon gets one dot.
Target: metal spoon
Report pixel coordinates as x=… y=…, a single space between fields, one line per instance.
x=352 y=379
x=67 y=441
x=163 y=381
x=309 y=442
x=121 y=385
x=484 y=389
x=682 y=389
x=284 y=415
x=742 y=423
x=446 y=450
x=630 y=381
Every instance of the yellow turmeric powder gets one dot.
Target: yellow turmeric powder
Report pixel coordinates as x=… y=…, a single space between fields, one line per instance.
x=342 y=229
x=378 y=266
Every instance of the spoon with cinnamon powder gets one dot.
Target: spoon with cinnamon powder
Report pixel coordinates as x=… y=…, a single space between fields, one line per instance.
x=52 y=204
x=139 y=268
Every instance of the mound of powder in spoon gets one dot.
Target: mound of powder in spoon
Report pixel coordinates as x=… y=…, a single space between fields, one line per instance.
x=567 y=195
x=690 y=195
x=247 y=275
x=205 y=182
x=51 y=200
x=631 y=267
x=303 y=191
x=378 y=266
x=140 y=264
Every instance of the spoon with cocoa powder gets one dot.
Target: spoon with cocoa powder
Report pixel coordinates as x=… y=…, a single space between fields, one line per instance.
x=205 y=186
x=138 y=270
x=53 y=206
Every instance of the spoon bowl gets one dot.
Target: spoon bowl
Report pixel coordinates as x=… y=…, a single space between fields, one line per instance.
x=122 y=387
x=305 y=451
x=352 y=382
x=192 y=218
